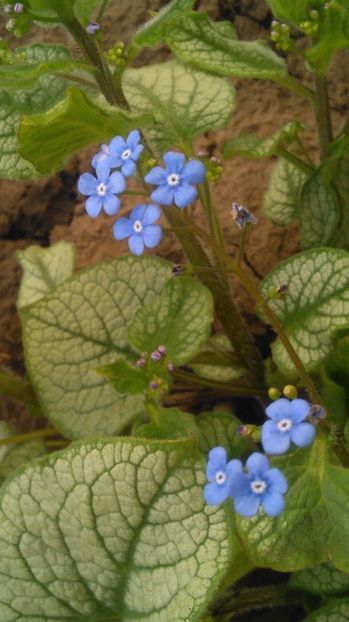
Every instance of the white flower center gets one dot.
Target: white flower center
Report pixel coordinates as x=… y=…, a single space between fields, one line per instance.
x=102 y=189
x=126 y=154
x=137 y=226
x=284 y=425
x=258 y=486
x=173 y=179
x=220 y=478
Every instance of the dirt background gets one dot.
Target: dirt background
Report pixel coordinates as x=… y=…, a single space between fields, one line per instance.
x=50 y=209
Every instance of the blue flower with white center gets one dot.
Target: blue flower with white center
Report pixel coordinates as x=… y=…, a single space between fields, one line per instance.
x=219 y=473
x=177 y=181
x=286 y=424
x=121 y=154
x=101 y=191
x=258 y=485
x=139 y=228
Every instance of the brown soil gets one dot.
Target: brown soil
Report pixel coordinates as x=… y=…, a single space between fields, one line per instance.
x=49 y=209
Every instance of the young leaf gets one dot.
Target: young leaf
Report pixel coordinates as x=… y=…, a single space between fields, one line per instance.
x=153 y=31
x=112 y=530
x=319 y=212
x=80 y=326
x=220 y=429
x=170 y=424
x=196 y=41
x=306 y=533
x=281 y=200
x=225 y=367
x=46 y=93
x=336 y=611
x=124 y=378
x=69 y=126
x=254 y=147
x=185 y=102
x=44 y=269
x=180 y=320
x=293 y=12
x=323 y=579
x=315 y=307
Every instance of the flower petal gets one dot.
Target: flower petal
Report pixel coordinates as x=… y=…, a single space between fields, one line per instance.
x=233 y=467
x=273 y=441
x=276 y=480
x=117 y=146
x=152 y=235
x=239 y=484
x=94 y=205
x=151 y=215
x=215 y=494
x=111 y=204
x=217 y=460
x=156 y=176
x=299 y=410
x=99 y=157
x=279 y=409
x=129 y=168
x=174 y=161
x=138 y=212
x=133 y=139
x=257 y=462
x=247 y=505
x=303 y=434
x=136 y=244
x=137 y=152
x=103 y=171
x=163 y=195
x=122 y=229
x=87 y=184
x=273 y=503
x=116 y=183
x=194 y=172
x=184 y=195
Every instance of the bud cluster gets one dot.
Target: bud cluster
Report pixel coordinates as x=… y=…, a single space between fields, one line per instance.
x=280 y=35
x=310 y=26
x=117 y=54
x=213 y=165
x=20 y=21
x=157 y=367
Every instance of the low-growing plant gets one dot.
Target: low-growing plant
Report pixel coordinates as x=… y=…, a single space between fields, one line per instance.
x=155 y=513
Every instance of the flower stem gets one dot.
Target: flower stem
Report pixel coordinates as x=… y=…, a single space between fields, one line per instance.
x=29 y=436
x=323 y=115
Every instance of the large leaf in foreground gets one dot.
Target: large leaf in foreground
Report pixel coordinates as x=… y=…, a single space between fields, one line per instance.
x=306 y=533
x=282 y=199
x=81 y=326
x=316 y=304
x=185 y=102
x=111 y=530
x=43 y=270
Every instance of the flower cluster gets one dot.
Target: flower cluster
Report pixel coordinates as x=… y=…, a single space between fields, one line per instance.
x=116 y=162
x=257 y=484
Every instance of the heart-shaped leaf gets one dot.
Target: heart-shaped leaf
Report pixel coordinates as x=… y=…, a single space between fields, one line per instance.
x=319 y=212
x=282 y=199
x=221 y=430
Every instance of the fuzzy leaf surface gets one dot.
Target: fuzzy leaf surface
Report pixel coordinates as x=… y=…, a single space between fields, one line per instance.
x=282 y=199
x=185 y=102
x=254 y=147
x=111 y=530
x=72 y=124
x=180 y=320
x=197 y=41
x=44 y=269
x=153 y=31
x=81 y=326
x=14 y=104
x=315 y=307
x=319 y=212
x=124 y=378
x=323 y=579
x=24 y=75
x=170 y=424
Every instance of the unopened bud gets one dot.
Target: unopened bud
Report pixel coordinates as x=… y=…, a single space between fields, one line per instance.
x=317 y=412
x=19 y=7
x=162 y=350
x=10 y=25
x=7 y=8
x=244 y=430
x=177 y=269
x=140 y=362
x=153 y=384
x=155 y=356
x=170 y=366
x=274 y=393
x=290 y=391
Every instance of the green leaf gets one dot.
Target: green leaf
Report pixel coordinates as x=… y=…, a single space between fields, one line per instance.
x=197 y=41
x=83 y=9
x=170 y=424
x=70 y=125
x=281 y=200
x=184 y=102
x=180 y=320
x=112 y=530
x=306 y=533
x=333 y=35
x=335 y=382
x=218 y=361
x=220 y=429
x=14 y=456
x=293 y=12
x=336 y=611
x=80 y=326
x=254 y=147
x=13 y=105
x=124 y=378
x=323 y=579
x=44 y=269
x=153 y=31
x=315 y=307
x=319 y=212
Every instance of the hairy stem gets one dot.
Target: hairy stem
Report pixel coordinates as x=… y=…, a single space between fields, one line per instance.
x=323 y=116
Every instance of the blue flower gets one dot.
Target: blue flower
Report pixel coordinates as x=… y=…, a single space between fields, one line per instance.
x=176 y=180
x=287 y=424
x=259 y=485
x=121 y=154
x=101 y=191
x=139 y=228
x=219 y=473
